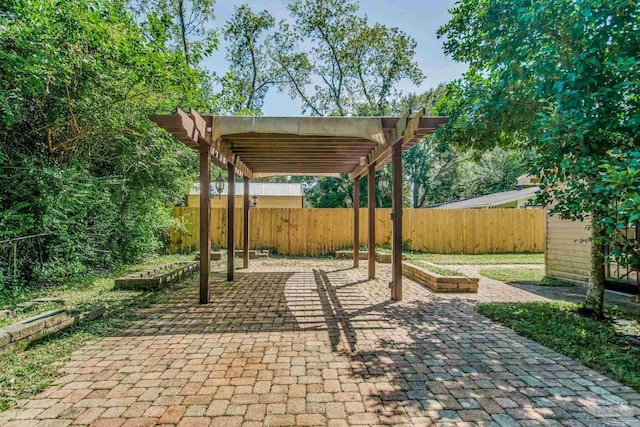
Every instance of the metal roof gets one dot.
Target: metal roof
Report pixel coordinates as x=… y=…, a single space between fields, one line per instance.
x=259 y=189
x=490 y=200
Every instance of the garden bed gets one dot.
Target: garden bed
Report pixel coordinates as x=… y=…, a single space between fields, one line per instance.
x=381 y=257
x=440 y=283
x=253 y=253
x=157 y=277
x=20 y=333
x=215 y=255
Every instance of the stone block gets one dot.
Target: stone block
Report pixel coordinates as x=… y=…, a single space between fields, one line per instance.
x=215 y=255
x=439 y=283
x=55 y=317
x=253 y=253
x=94 y=312
x=363 y=255
x=157 y=277
x=26 y=328
x=5 y=339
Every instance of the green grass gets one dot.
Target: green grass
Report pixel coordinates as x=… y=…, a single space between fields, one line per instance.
x=481 y=259
x=610 y=347
x=441 y=270
x=529 y=276
x=26 y=373
x=514 y=274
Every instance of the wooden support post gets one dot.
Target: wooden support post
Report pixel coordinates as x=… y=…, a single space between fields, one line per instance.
x=205 y=223
x=356 y=222
x=371 y=243
x=245 y=225
x=396 y=234
x=231 y=208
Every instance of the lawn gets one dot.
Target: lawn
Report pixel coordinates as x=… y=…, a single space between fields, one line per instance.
x=441 y=270
x=26 y=373
x=529 y=276
x=611 y=347
x=480 y=259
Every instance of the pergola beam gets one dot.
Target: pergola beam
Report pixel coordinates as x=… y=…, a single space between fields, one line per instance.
x=192 y=130
x=205 y=220
x=245 y=224
x=371 y=241
x=396 y=217
x=356 y=223
x=315 y=146
x=231 y=210
x=407 y=132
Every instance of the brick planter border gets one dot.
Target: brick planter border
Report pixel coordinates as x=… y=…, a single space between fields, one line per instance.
x=253 y=253
x=215 y=255
x=439 y=283
x=157 y=277
x=383 y=258
x=34 y=328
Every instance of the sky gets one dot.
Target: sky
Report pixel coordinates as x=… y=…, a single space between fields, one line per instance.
x=418 y=18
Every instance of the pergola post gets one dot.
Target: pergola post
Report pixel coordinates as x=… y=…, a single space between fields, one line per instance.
x=371 y=243
x=396 y=235
x=231 y=208
x=245 y=225
x=356 y=223
x=205 y=220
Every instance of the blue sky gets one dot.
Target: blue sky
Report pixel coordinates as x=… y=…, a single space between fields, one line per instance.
x=419 y=18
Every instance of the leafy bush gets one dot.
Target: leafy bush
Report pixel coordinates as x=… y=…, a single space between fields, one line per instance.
x=82 y=168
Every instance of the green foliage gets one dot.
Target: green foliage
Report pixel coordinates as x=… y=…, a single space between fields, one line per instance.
x=441 y=270
x=605 y=346
x=328 y=192
x=326 y=55
x=559 y=80
x=483 y=259
x=562 y=79
x=249 y=62
x=82 y=164
x=183 y=26
x=495 y=171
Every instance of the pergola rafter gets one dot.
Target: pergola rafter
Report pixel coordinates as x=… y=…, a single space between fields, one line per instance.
x=256 y=147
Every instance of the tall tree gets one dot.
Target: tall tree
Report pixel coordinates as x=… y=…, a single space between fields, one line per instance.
x=493 y=172
x=561 y=78
x=249 y=69
x=190 y=27
x=338 y=64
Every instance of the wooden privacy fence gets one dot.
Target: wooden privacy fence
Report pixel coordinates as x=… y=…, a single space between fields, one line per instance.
x=321 y=231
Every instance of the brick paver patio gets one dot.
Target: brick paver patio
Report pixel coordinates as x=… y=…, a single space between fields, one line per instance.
x=312 y=342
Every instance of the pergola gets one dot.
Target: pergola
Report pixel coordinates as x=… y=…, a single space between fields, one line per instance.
x=255 y=147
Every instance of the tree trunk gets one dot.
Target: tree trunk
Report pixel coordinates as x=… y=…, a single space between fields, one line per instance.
x=594 y=300
x=416 y=190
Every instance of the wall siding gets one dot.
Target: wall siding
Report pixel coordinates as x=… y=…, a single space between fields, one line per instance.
x=567 y=255
x=193 y=201
x=323 y=231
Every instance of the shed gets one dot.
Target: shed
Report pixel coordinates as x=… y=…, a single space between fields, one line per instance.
x=267 y=195
x=568 y=255
x=507 y=199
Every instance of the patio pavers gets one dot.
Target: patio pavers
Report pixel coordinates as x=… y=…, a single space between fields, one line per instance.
x=312 y=342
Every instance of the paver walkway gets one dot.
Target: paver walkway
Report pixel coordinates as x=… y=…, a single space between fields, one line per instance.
x=495 y=290
x=314 y=343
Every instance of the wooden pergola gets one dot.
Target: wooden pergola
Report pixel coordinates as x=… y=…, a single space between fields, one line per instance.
x=255 y=147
